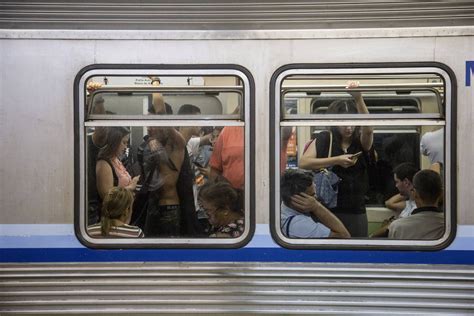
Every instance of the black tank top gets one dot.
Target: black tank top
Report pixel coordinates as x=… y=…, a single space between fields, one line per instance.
x=354 y=180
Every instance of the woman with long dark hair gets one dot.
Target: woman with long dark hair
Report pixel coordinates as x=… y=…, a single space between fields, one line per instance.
x=349 y=159
x=109 y=169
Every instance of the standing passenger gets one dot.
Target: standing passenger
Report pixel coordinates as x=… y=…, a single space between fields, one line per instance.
x=432 y=145
x=170 y=210
x=228 y=157
x=346 y=141
x=94 y=143
x=191 y=134
x=109 y=169
x=194 y=142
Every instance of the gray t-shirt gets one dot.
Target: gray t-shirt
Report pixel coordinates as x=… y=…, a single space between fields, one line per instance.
x=423 y=225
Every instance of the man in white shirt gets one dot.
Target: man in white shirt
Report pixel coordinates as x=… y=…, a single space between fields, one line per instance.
x=302 y=216
x=403 y=202
x=432 y=145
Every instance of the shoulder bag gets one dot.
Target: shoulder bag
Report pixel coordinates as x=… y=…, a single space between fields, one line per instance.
x=326 y=182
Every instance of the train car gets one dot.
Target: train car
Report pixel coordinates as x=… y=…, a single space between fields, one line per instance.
x=266 y=76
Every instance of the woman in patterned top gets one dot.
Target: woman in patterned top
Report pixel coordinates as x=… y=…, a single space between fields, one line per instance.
x=223 y=206
x=116 y=214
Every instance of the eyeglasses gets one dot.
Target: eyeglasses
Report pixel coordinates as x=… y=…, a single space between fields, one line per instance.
x=206 y=209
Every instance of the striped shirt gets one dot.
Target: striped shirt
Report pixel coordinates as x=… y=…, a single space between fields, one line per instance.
x=125 y=231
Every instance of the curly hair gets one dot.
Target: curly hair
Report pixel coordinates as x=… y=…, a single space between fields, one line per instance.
x=222 y=195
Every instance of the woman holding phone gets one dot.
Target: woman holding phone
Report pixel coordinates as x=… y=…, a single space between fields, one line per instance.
x=109 y=169
x=349 y=159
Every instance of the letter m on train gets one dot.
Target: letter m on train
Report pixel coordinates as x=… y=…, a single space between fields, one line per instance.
x=469 y=71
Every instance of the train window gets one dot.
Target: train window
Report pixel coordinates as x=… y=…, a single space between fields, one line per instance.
x=164 y=157
x=356 y=150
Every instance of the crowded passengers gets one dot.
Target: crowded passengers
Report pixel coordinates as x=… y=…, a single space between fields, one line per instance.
x=190 y=182
x=166 y=175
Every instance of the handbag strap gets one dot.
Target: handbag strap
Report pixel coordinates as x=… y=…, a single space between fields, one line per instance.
x=330 y=144
x=288 y=221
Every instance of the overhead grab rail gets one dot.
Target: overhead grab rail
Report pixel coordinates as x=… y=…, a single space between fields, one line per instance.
x=365 y=77
x=364 y=87
x=151 y=89
x=122 y=89
x=398 y=88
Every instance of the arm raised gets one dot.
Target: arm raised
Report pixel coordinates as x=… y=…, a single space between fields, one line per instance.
x=367 y=132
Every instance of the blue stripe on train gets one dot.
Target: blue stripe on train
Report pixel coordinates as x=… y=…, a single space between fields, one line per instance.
x=57 y=243
x=233 y=255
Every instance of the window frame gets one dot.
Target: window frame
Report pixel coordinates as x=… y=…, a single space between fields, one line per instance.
x=448 y=120
x=81 y=122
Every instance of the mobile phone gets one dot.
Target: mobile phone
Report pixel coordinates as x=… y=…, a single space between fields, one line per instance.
x=355 y=156
x=138 y=188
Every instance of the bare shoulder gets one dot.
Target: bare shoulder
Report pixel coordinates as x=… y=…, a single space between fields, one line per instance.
x=102 y=165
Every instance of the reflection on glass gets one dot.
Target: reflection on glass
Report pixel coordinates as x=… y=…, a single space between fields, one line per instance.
x=376 y=188
x=140 y=95
x=383 y=94
x=165 y=168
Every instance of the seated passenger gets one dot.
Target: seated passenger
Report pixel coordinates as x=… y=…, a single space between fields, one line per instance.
x=223 y=206
x=427 y=220
x=302 y=216
x=403 y=202
x=116 y=213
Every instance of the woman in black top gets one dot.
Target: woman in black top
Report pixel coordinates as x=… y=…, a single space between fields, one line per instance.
x=346 y=142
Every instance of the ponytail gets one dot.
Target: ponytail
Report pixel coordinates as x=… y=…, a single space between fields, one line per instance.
x=105 y=225
x=117 y=202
